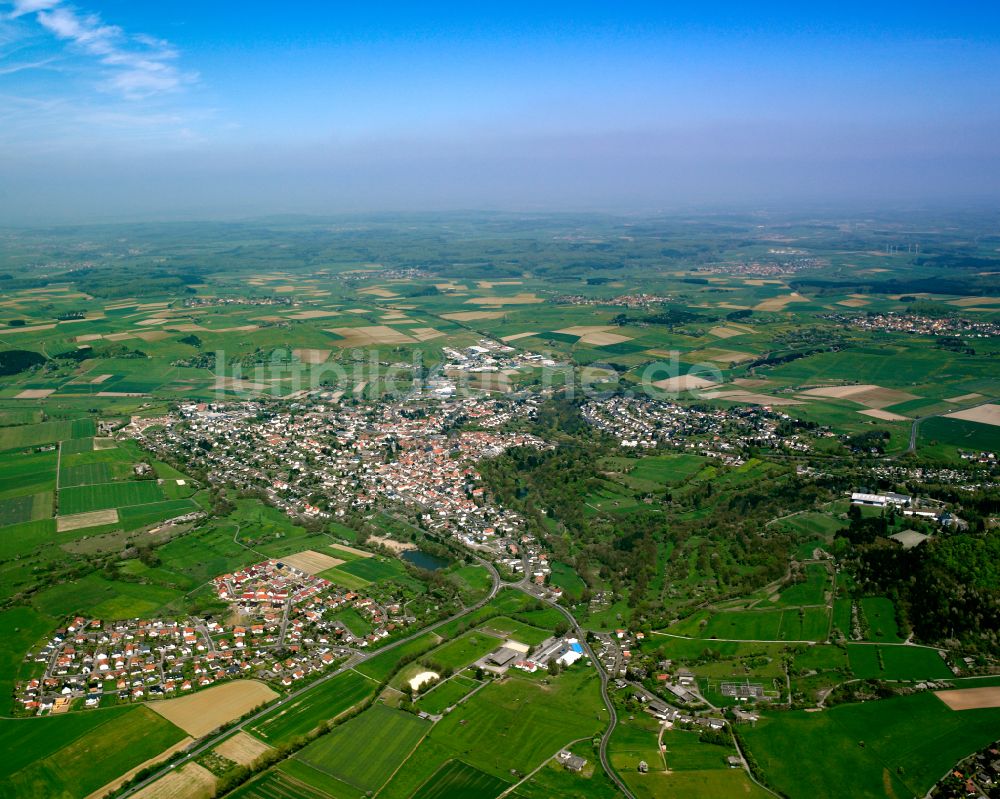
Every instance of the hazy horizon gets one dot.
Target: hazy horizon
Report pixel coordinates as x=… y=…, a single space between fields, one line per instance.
x=128 y=112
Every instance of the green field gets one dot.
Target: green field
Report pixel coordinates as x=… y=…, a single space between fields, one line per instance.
x=33 y=435
x=84 y=498
x=516 y=630
x=809 y=624
x=515 y=724
x=463 y=650
x=372 y=569
x=27 y=474
x=322 y=702
x=904 y=743
x=869 y=661
x=457 y=780
x=959 y=433
x=84 y=474
x=285 y=782
x=75 y=755
x=29 y=508
x=445 y=694
x=809 y=592
x=384 y=664
x=880 y=614
x=366 y=750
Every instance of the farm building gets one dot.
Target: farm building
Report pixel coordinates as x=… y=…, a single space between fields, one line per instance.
x=881 y=500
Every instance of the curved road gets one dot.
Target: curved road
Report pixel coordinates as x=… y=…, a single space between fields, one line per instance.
x=612 y=715
x=359 y=658
x=351 y=662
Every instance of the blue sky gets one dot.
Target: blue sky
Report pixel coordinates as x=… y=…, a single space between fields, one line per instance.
x=115 y=109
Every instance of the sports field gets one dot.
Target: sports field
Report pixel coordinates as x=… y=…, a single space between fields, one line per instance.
x=366 y=750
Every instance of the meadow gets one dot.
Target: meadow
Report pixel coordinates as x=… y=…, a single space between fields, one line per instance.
x=515 y=724
x=905 y=743
x=325 y=701
x=445 y=694
x=366 y=750
x=458 y=780
x=75 y=755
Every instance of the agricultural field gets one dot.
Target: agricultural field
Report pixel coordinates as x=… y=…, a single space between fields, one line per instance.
x=458 y=780
x=446 y=693
x=873 y=662
x=323 y=702
x=515 y=724
x=369 y=748
x=76 y=755
x=905 y=743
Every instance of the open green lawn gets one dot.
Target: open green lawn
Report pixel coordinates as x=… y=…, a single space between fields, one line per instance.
x=810 y=624
x=22 y=474
x=555 y=780
x=20 y=628
x=95 y=594
x=84 y=474
x=458 y=780
x=567 y=579
x=880 y=614
x=959 y=433
x=324 y=701
x=366 y=750
x=516 y=630
x=384 y=664
x=73 y=756
x=33 y=435
x=810 y=591
x=28 y=508
x=462 y=651
x=293 y=780
x=869 y=661
x=445 y=694
x=372 y=569
x=863 y=750
x=667 y=469
x=80 y=499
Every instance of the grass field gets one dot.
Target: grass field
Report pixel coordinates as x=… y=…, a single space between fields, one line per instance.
x=880 y=614
x=84 y=474
x=372 y=569
x=516 y=630
x=27 y=474
x=462 y=651
x=32 y=435
x=512 y=725
x=896 y=662
x=903 y=744
x=72 y=756
x=445 y=694
x=383 y=665
x=324 y=701
x=366 y=750
x=809 y=592
x=29 y=508
x=554 y=780
x=83 y=498
x=458 y=780
x=809 y=624
x=282 y=783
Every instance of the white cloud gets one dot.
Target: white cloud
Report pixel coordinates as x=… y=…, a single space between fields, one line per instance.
x=136 y=65
x=22 y=7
